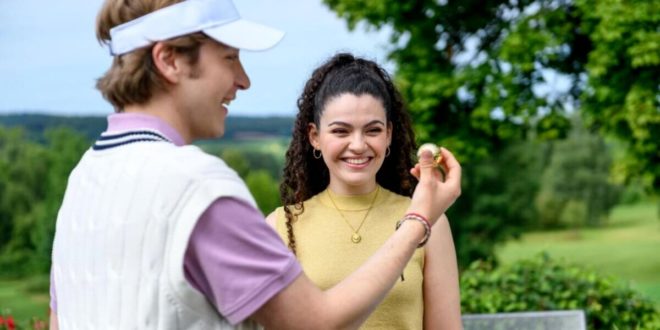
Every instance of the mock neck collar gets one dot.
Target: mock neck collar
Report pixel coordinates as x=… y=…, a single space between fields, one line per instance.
x=352 y=202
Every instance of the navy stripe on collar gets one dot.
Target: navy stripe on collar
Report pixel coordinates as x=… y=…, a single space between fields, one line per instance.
x=104 y=136
x=108 y=141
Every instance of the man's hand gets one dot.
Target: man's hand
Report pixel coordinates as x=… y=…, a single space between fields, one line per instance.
x=433 y=197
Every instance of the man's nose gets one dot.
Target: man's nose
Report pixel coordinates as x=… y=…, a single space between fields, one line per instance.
x=242 y=79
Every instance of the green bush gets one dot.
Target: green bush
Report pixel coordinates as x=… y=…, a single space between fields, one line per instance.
x=544 y=284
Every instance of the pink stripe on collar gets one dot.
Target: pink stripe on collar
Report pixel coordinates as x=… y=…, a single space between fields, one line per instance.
x=122 y=122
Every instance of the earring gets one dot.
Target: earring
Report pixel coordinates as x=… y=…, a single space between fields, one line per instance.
x=319 y=154
x=387 y=152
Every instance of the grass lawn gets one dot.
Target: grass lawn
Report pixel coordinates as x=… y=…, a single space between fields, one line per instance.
x=627 y=247
x=20 y=302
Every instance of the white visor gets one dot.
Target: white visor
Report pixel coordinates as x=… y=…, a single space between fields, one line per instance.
x=218 y=19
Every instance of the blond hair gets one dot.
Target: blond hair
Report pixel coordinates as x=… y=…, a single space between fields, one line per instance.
x=133 y=78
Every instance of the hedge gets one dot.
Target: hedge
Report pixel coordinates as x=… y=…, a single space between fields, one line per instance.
x=542 y=283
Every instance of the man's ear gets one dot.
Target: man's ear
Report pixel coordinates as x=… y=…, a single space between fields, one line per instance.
x=313 y=135
x=167 y=62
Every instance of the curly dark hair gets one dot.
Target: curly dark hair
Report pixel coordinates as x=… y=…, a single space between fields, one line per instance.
x=304 y=176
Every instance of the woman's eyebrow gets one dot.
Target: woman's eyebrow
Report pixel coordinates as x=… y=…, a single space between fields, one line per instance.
x=341 y=123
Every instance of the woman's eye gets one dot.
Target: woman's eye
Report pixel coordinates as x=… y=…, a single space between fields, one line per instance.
x=374 y=131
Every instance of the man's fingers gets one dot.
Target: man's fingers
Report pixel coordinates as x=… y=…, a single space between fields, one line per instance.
x=426 y=165
x=415 y=171
x=453 y=167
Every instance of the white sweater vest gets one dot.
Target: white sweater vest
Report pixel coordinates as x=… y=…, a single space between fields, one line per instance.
x=122 y=233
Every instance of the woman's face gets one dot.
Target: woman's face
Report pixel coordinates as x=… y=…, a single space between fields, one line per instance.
x=353 y=136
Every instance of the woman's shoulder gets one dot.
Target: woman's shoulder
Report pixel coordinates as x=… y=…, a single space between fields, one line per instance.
x=273 y=218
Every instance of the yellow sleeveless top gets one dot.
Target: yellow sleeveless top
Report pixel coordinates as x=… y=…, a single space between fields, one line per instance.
x=327 y=254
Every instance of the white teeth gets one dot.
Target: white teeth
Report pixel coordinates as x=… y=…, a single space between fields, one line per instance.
x=226 y=102
x=357 y=161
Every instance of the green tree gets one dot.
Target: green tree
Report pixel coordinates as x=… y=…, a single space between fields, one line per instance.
x=576 y=188
x=477 y=73
x=264 y=189
x=622 y=89
x=267 y=161
x=497 y=199
x=236 y=160
x=246 y=159
x=480 y=75
x=65 y=148
x=30 y=197
x=24 y=171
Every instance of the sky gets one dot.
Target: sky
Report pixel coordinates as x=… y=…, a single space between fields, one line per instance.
x=50 y=58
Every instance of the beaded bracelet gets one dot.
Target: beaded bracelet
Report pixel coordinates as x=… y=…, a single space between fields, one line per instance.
x=421 y=217
x=423 y=220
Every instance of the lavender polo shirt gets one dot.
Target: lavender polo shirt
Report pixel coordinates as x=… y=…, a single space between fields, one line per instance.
x=233 y=257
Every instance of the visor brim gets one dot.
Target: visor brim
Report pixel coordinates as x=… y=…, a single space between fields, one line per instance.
x=245 y=35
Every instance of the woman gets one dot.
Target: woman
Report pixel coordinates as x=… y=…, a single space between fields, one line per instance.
x=346 y=183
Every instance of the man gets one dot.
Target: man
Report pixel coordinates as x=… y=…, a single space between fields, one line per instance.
x=154 y=233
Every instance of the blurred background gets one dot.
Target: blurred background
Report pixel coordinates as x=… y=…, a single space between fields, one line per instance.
x=552 y=107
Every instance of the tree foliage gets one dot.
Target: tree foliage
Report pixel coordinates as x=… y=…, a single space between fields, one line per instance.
x=33 y=178
x=261 y=172
x=264 y=189
x=497 y=199
x=480 y=75
x=576 y=190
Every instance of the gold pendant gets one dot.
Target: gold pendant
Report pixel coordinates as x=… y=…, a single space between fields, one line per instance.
x=356 y=238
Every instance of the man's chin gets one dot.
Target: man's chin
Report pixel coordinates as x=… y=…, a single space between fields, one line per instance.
x=217 y=133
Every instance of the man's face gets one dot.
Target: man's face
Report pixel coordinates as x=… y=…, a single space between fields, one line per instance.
x=207 y=90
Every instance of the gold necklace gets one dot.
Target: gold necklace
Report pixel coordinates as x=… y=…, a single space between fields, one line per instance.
x=356 y=237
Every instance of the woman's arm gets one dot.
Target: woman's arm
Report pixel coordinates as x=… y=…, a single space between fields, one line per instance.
x=442 y=300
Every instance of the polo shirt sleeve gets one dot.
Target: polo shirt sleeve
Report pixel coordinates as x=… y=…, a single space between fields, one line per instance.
x=237 y=260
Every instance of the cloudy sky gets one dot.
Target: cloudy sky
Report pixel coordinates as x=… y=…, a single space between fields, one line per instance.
x=49 y=56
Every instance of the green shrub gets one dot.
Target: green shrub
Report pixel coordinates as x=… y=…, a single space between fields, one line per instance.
x=544 y=284
x=574 y=214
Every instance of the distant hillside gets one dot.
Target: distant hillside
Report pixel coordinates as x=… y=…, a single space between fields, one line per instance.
x=237 y=128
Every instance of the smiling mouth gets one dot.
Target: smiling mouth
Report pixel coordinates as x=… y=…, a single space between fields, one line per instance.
x=357 y=161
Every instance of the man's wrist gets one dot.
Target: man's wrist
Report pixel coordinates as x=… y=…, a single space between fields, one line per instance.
x=417 y=218
x=414 y=230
